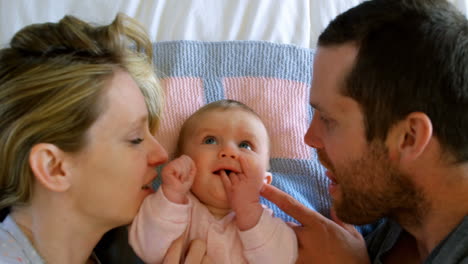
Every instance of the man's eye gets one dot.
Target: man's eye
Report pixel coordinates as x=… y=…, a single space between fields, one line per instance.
x=324 y=119
x=136 y=141
x=245 y=144
x=209 y=140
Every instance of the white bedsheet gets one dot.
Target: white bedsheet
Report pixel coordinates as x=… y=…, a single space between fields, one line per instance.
x=297 y=22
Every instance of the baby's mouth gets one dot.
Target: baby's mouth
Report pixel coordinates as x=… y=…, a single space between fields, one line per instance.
x=218 y=172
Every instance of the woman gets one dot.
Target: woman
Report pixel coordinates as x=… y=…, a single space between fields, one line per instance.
x=78 y=110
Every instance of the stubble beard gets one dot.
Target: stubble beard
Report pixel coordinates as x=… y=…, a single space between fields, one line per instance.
x=372 y=188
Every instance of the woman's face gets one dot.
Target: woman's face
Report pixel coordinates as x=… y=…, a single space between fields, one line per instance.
x=111 y=172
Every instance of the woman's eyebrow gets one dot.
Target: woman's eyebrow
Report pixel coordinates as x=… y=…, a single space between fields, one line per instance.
x=138 y=122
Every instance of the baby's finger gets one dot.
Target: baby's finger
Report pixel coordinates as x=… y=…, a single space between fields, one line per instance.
x=242 y=176
x=234 y=178
x=225 y=180
x=245 y=165
x=185 y=172
x=193 y=170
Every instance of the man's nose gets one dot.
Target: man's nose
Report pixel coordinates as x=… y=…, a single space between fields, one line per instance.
x=312 y=137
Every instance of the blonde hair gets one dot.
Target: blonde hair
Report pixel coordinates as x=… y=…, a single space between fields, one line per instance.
x=52 y=80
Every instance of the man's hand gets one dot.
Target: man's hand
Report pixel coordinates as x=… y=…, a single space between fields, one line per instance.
x=177 y=179
x=320 y=240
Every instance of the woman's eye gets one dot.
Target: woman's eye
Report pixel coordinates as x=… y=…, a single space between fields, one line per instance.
x=209 y=140
x=136 y=141
x=245 y=144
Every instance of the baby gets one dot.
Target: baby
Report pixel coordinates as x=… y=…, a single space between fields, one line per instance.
x=212 y=192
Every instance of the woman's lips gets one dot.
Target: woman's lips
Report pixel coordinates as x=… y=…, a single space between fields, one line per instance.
x=148 y=188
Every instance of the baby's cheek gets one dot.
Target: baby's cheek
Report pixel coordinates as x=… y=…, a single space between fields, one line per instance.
x=261 y=164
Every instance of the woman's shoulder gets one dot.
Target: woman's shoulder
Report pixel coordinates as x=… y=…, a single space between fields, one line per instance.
x=10 y=249
x=14 y=246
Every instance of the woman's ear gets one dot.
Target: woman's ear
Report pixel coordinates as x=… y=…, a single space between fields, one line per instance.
x=412 y=135
x=47 y=164
x=268 y=177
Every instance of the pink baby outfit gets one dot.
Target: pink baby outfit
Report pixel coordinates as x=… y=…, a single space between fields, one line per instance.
x=159 y=222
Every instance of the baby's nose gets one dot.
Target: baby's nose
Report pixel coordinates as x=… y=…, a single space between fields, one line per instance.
x=228 y=152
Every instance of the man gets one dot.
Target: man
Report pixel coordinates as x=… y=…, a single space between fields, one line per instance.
x=390 y=99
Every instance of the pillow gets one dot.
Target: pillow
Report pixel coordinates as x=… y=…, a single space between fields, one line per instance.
x=273 y=79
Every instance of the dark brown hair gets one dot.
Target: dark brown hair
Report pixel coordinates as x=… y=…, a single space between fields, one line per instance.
x=413 y=56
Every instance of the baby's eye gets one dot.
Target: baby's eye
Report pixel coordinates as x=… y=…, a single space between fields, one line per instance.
x=246 y=145
x=209 y=140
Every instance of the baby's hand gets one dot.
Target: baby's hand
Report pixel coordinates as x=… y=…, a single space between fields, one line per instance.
x=177 y=178
x=243 y=192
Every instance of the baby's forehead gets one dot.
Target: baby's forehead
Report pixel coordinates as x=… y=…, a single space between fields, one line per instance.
x=227 y=113
x=219 y=117
x=196 y=123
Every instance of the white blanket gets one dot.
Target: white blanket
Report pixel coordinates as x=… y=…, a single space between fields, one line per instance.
x=297 y=22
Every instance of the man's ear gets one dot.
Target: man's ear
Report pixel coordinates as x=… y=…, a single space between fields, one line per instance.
x=268 y=177
x=47 y=164
x=412 y=135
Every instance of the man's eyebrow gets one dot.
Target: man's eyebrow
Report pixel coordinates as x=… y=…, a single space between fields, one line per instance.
x=316 y=106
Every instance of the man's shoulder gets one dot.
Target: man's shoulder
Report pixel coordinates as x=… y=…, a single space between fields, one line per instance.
x=454 y=248
x=382 y=238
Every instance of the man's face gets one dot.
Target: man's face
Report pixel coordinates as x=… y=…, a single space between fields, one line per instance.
x=365 y=184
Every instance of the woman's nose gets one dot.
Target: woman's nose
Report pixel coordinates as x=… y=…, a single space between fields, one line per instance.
x=157 y=154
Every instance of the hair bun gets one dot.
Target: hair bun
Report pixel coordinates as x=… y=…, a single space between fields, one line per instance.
x=69 y=36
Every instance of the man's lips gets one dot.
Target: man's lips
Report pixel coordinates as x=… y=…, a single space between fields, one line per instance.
x=333 y=186
x=331 y=176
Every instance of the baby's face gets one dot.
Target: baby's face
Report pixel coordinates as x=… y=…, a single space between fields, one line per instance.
x=215 y=142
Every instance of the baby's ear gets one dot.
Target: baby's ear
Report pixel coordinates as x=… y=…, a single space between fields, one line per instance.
x=268 y=177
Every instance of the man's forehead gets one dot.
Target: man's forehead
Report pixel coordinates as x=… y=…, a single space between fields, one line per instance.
x=331 y=66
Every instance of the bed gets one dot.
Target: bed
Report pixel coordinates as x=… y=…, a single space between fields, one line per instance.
x=259 y=52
